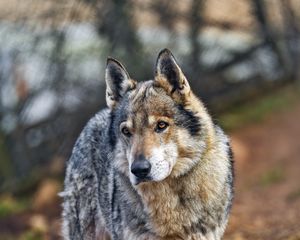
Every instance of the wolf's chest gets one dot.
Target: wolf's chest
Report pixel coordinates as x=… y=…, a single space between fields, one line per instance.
x=173 y=215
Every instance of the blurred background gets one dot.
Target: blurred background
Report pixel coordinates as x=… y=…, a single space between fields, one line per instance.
x=242 y=57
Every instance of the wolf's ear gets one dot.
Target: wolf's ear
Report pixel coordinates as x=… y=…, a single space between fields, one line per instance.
x=169 y=75
x=117 y=81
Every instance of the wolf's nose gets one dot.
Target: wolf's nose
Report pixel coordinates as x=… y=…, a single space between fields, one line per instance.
x=140 y=167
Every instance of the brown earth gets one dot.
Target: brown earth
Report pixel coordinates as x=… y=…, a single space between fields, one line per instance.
x=267 y=187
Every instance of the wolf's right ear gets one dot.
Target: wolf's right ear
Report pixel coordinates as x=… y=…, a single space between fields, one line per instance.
x=117 y=81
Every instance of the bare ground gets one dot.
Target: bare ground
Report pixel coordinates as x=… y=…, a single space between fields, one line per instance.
x=267 y=187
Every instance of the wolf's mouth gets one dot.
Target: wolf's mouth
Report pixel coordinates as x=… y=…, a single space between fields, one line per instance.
x=140 y=180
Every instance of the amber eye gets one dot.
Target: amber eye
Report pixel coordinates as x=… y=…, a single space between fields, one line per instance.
x=161 y=125
x=126 y=131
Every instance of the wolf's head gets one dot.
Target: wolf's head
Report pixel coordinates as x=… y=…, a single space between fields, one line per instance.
x=160 y=129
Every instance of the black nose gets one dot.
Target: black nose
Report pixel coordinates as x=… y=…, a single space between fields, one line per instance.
x=140 y=167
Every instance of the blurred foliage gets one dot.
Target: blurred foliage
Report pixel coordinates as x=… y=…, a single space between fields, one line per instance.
x=28 y=235
x=32 y=235
x=273 y=176
x=259 y=108
x=9 y=205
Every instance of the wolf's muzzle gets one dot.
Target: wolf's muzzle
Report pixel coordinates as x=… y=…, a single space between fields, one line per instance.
x=141 y=167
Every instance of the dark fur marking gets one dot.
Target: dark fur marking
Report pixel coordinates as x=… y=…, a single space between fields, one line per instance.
x=182 y=201
x=196 y=227
x=187 y=119
x=111 y=131
x=169 y=69
x=78 y=225
x=117 y=78
x=116 y=217
x=142 y=228
x=113 y=196
x=230 y=177
x=199 y=226
x=143 y=97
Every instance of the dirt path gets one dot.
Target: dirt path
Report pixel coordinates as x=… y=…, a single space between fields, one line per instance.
x=267 y=163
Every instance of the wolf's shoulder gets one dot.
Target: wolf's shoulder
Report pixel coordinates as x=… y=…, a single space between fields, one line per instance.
x=221 y=135
x=95 y=127
x=91 y=139
x=223 y=146
x=99 y=122
x=225 y=149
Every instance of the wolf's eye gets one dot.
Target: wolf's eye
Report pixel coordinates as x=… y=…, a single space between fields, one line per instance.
x=161 y=125
x=126 y=131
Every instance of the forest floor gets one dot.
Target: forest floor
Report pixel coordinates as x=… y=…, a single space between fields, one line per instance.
x=267 y=186
x=267 y=182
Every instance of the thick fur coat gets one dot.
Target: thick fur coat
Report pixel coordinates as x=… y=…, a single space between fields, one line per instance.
x=152 y=166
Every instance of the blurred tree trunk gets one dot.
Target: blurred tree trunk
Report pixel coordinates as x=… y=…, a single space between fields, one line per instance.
x=291 y=35
x=167 y=13
x=6 y=168
x=115 y=23
x=269 y=36
x=195 y=22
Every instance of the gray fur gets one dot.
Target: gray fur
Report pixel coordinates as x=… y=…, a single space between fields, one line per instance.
x=96 y=195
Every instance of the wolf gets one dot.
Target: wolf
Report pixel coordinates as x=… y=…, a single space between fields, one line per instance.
x=151 y=166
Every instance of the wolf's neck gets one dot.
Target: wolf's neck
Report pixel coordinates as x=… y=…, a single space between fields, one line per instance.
x=163 y=206
x=173 y=203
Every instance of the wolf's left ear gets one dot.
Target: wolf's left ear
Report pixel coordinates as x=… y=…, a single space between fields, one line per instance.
x=169 y=75
x=117 y=81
